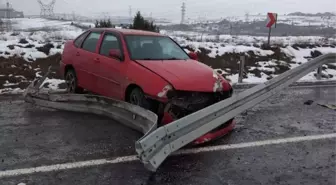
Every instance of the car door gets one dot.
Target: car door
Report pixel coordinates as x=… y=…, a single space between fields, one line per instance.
x=111 y=71
x=87 y=61
x=77 y=61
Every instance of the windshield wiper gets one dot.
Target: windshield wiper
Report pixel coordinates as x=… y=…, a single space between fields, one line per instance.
x=174 y=58
x=146 y=59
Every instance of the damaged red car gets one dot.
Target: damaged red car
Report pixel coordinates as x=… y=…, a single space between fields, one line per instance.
x=146 y=69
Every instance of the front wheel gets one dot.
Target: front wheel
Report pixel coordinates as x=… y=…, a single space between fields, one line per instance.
x=137 y=97
x=71 y=81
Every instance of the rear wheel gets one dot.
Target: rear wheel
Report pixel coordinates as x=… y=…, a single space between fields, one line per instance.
x=72 y=83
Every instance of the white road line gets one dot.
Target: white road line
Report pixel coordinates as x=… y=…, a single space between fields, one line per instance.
x=64 y=166
x=82 y=164
x=257 y=143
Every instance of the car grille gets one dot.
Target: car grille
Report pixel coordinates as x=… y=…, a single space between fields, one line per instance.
x=189 y=102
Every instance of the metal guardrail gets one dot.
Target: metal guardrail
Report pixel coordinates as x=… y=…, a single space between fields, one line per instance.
x=158 y=143
x=155 y=147
x=130 y=115
x=316 y=83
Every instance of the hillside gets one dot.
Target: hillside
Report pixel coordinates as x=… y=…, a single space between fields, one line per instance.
x=325 y=14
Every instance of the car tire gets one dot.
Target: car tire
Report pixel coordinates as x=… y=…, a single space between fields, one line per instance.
x=72 y=82
x=137 y=97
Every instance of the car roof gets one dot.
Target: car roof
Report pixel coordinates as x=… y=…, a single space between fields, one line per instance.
x=127 y=31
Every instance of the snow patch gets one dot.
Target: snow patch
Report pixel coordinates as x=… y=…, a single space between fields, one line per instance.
x=52 y=84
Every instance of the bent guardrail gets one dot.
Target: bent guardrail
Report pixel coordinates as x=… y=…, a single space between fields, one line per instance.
x=158 y=143
x=155 y=147
x=130 y=115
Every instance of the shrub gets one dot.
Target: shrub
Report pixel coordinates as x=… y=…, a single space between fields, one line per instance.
x=139 y=23
x=104 y=24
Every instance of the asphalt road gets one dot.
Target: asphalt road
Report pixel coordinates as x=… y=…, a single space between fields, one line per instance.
x=32 y=137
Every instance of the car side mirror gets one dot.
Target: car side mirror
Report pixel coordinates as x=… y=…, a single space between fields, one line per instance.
x=193 y=56
x=115 y=53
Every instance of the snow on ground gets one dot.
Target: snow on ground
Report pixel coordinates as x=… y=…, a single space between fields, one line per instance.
x=220 y=49
x=28 y=48
x=11 y=91
x=33 y=34
x=30 y=34
x=52 y=84
x=298 y=55
x=184 y=37
x=27 y=24
x=292 y=20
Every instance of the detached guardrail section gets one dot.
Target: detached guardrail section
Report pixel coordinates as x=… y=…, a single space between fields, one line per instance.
x=155 y=147
x=130 y=115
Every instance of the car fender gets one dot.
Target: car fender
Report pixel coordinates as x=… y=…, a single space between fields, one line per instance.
x=153 y=85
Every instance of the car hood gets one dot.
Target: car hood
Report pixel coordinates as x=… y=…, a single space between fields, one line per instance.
x=185 y=75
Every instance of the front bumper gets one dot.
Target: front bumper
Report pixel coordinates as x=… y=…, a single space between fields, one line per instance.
x=216 y=134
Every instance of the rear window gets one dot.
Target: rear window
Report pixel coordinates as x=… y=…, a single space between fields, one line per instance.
x=80 y=39
x=91 y=42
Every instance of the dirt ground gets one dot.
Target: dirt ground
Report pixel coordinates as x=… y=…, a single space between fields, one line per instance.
x=19 y=73
x=228 y=61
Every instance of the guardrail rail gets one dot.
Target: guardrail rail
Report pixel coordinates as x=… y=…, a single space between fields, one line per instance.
x=155 y=147
x=158 y=143
x=128 y=114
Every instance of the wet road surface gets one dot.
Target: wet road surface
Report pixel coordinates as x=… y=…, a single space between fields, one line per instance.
x=31 y=137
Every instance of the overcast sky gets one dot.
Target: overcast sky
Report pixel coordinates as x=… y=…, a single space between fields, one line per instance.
x=171 y=9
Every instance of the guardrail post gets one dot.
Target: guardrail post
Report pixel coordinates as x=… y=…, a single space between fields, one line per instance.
x=241 y=68
x=319 y=73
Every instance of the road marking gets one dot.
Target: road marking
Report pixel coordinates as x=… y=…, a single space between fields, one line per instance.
x=124 y=159
x=65 y=166
x=256 y=144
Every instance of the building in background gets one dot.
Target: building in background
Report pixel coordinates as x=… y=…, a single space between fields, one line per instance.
x=9 y=11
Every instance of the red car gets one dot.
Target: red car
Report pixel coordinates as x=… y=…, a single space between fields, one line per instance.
x=146 y=69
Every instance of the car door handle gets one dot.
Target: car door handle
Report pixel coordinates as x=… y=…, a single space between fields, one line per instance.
x=77 y=54
x=96 y=60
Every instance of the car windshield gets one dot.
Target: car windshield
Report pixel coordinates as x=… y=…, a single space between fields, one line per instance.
x=143 y=47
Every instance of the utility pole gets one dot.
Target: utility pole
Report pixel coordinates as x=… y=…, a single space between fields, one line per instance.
x=247 y=16
x=130 y=14
x=73 y=16
x=183 y=11
x=8 y=16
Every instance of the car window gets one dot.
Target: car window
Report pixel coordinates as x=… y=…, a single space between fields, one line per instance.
x=91 y=41
x=109 y=42
x=80 y=39
x=144 y=47
x=169 y=48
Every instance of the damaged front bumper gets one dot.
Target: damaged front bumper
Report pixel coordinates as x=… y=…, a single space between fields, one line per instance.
x=182 y=103
x=216 y=133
